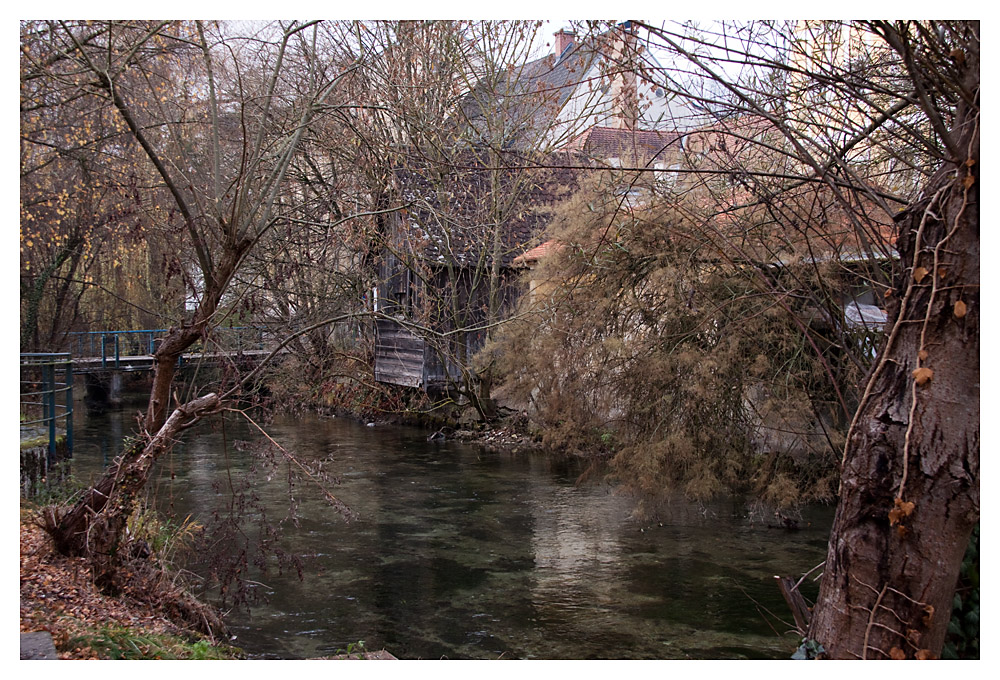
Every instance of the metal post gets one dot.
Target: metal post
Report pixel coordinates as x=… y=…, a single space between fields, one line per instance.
x=117 y=350
x=104 y=350
x=69 y=406
x=49 y=412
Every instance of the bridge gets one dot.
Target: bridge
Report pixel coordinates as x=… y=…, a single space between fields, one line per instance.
x=133 y=350
x=103 y=357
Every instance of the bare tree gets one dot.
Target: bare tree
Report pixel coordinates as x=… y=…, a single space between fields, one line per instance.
x=881 y=114
x=220 y=119
x=909 y=495
x=469 y=127
x=86 y=201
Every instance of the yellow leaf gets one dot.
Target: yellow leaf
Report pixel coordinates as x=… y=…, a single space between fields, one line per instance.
x=919 y=273
x=960 y=309
x=923 y=375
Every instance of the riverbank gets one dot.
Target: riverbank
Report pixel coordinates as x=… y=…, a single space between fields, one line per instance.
x=58 y=596
x=376 y=404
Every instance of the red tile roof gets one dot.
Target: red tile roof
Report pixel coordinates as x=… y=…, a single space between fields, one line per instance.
x=608 y=142
x=532 y=256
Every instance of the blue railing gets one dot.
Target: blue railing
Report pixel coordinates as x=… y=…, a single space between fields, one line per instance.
x=112 y=346
x=40 y=392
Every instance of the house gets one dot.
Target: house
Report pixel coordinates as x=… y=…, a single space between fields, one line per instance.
x=446 y=270
x=590 y=82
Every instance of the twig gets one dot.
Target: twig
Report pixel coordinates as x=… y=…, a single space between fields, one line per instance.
x=871 y=622
x=796 y=586
x=342 y=507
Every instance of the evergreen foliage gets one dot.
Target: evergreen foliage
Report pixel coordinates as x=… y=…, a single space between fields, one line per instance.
x=962 y=641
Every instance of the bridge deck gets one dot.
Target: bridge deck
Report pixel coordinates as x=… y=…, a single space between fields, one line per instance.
x=144 y=362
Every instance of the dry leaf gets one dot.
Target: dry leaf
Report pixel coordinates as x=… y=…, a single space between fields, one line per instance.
x=919 y=273
x=922 y=355
x=941 y=272
x=888 y=293
x=960 y=309
x=968 y=181
x=923 y=375
x=924 y=655
x=928 y=614
x=897 y=654
x=900 y=510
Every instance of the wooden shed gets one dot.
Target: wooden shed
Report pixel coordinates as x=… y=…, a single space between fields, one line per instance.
x=447 y=269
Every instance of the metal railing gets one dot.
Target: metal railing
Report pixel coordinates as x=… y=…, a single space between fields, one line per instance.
x=112 y=346
x=40 y=389
x=114 y=343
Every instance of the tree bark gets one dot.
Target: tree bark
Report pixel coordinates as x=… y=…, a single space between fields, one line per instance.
x=909 y=493
x=164 y=369
x=94 y=526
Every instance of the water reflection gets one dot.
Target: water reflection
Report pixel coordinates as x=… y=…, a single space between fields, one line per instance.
x=461 y=554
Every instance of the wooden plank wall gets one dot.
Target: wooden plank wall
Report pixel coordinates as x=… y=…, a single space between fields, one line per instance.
x=399 y=355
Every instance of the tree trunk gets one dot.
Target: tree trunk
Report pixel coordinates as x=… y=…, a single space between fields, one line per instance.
x=32 y=297
x=164 y=369
x=94 y=526
x=909 y=494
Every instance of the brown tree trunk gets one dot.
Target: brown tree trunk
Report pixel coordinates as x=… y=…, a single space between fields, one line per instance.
x=909 y=494
x=164 y=369
x=94 y=526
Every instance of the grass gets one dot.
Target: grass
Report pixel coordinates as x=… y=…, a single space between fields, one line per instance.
x=42 y=440
x=118 y=643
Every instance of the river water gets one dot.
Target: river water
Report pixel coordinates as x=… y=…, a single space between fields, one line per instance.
x=461 y=554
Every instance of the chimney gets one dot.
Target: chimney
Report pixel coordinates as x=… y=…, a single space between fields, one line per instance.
x=564 y=39
x=628 y=91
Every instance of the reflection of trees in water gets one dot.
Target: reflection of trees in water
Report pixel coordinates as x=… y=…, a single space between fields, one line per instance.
x=462 y=554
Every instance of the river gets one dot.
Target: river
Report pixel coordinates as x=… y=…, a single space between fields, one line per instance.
x=460 y=554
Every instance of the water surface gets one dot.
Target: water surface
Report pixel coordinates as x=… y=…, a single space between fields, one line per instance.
x=461 y=554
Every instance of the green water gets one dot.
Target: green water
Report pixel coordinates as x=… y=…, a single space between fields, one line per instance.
x=460 y=554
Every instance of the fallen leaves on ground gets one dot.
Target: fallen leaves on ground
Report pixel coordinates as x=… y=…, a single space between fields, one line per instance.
x=58 y=595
